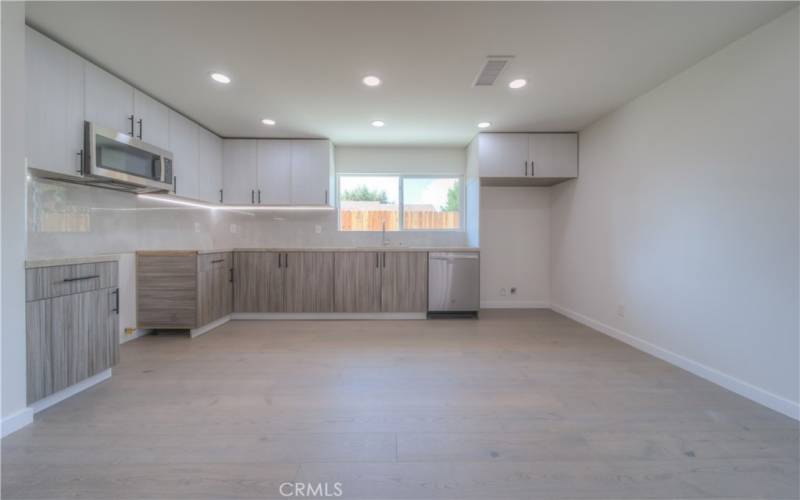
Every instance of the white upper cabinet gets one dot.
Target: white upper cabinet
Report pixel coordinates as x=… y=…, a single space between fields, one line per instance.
x=274 y=172
x=239 y=171
x=54 y=105
x=312 y=171
x=183 y=144
x=109 y=100
x=278 y=171
x=554 y=155
x=537 y=159
x=503 y=155
x=151 y=120
x=209 y=166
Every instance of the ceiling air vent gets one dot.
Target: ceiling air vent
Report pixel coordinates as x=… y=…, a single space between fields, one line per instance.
x=491 y=70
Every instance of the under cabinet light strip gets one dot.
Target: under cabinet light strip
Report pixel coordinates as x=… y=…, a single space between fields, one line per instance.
x=211 y=206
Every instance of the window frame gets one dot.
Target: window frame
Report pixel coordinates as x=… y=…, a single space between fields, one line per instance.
x=402 y=203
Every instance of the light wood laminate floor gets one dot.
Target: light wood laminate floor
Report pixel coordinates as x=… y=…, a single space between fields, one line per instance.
x=521 y=404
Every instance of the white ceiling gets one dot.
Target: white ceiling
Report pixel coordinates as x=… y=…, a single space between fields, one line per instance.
x=301 y=63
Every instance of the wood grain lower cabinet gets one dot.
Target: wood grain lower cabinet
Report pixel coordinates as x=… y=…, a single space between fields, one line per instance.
x=309 y=281
x=404 y=282
x=258 y=282
x=182 y=290
x=214 y=287
x=357 y=282
x=73 y=336
x=166 y=290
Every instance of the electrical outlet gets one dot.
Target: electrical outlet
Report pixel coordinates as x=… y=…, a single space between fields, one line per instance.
x=513 y=290
x=196 y=227
x=503 y=292
x=621 y=310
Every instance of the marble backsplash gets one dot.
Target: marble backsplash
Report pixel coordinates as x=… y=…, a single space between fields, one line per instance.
x=68 y=220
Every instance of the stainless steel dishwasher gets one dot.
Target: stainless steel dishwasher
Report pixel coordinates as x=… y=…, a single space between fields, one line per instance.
x=454 y=284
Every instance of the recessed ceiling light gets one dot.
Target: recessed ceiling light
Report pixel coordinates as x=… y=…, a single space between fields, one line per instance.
x=267 y=121
x=371 y=81
x=219 y=77
x=518 y=83
x=484 y=125
x=378 y=123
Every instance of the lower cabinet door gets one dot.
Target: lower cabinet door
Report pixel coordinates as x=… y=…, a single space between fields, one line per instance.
x=258 y=283
x=214 y=292
x=70 y=338
x=309 y=281
x=404 y=282
x=357 y=282
x=39 y=349
x=103 y=330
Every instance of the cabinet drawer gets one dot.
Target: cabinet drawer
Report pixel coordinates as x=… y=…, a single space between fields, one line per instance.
x=47 y=282
x=211 y=261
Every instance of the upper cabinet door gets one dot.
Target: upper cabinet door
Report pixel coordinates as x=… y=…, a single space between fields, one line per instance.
x=554 y=155
x=183 y=144
x=54 y=105
x=503 y=155
x=311 y=172
x=210 y=166
x=152 y=120
x=275 y=172
x=239 y=171
x=109 y=100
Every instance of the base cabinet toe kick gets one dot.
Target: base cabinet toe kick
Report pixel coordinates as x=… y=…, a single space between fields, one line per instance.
x=72 y=325
x=196 y=291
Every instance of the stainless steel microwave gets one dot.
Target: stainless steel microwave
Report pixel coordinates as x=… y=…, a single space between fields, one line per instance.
x=119 y=161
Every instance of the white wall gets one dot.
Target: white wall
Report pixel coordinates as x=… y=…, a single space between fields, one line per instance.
x=400 y=160
x=686 y=214
x=12 y=198
x=515 y=231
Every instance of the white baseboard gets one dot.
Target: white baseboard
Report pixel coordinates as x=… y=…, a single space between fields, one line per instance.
x=514 y=304
x=70 y=391
x=207 y=328
x=327 y=316
x=745 y=389
x=16 y=421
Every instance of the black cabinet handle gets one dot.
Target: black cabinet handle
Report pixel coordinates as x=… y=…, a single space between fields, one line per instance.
x=526 y=168
x=326 y=196
x=67 y=280
x=286 y=260
x=132 y=119
x=216 y=261
x=230 y=280
x=259 y=196
x=384 y=260
x=175 y=184
x=252 y=197
x=220 y=196
x=377 y=260
x=80 y=162
x=116 y=300
x=140 y=128
x=279 y=260
x=532 y=174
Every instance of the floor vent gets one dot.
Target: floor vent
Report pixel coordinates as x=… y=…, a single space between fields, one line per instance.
x=491 y=70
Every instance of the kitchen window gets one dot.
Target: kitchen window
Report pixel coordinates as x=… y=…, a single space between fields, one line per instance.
x=400 y=202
